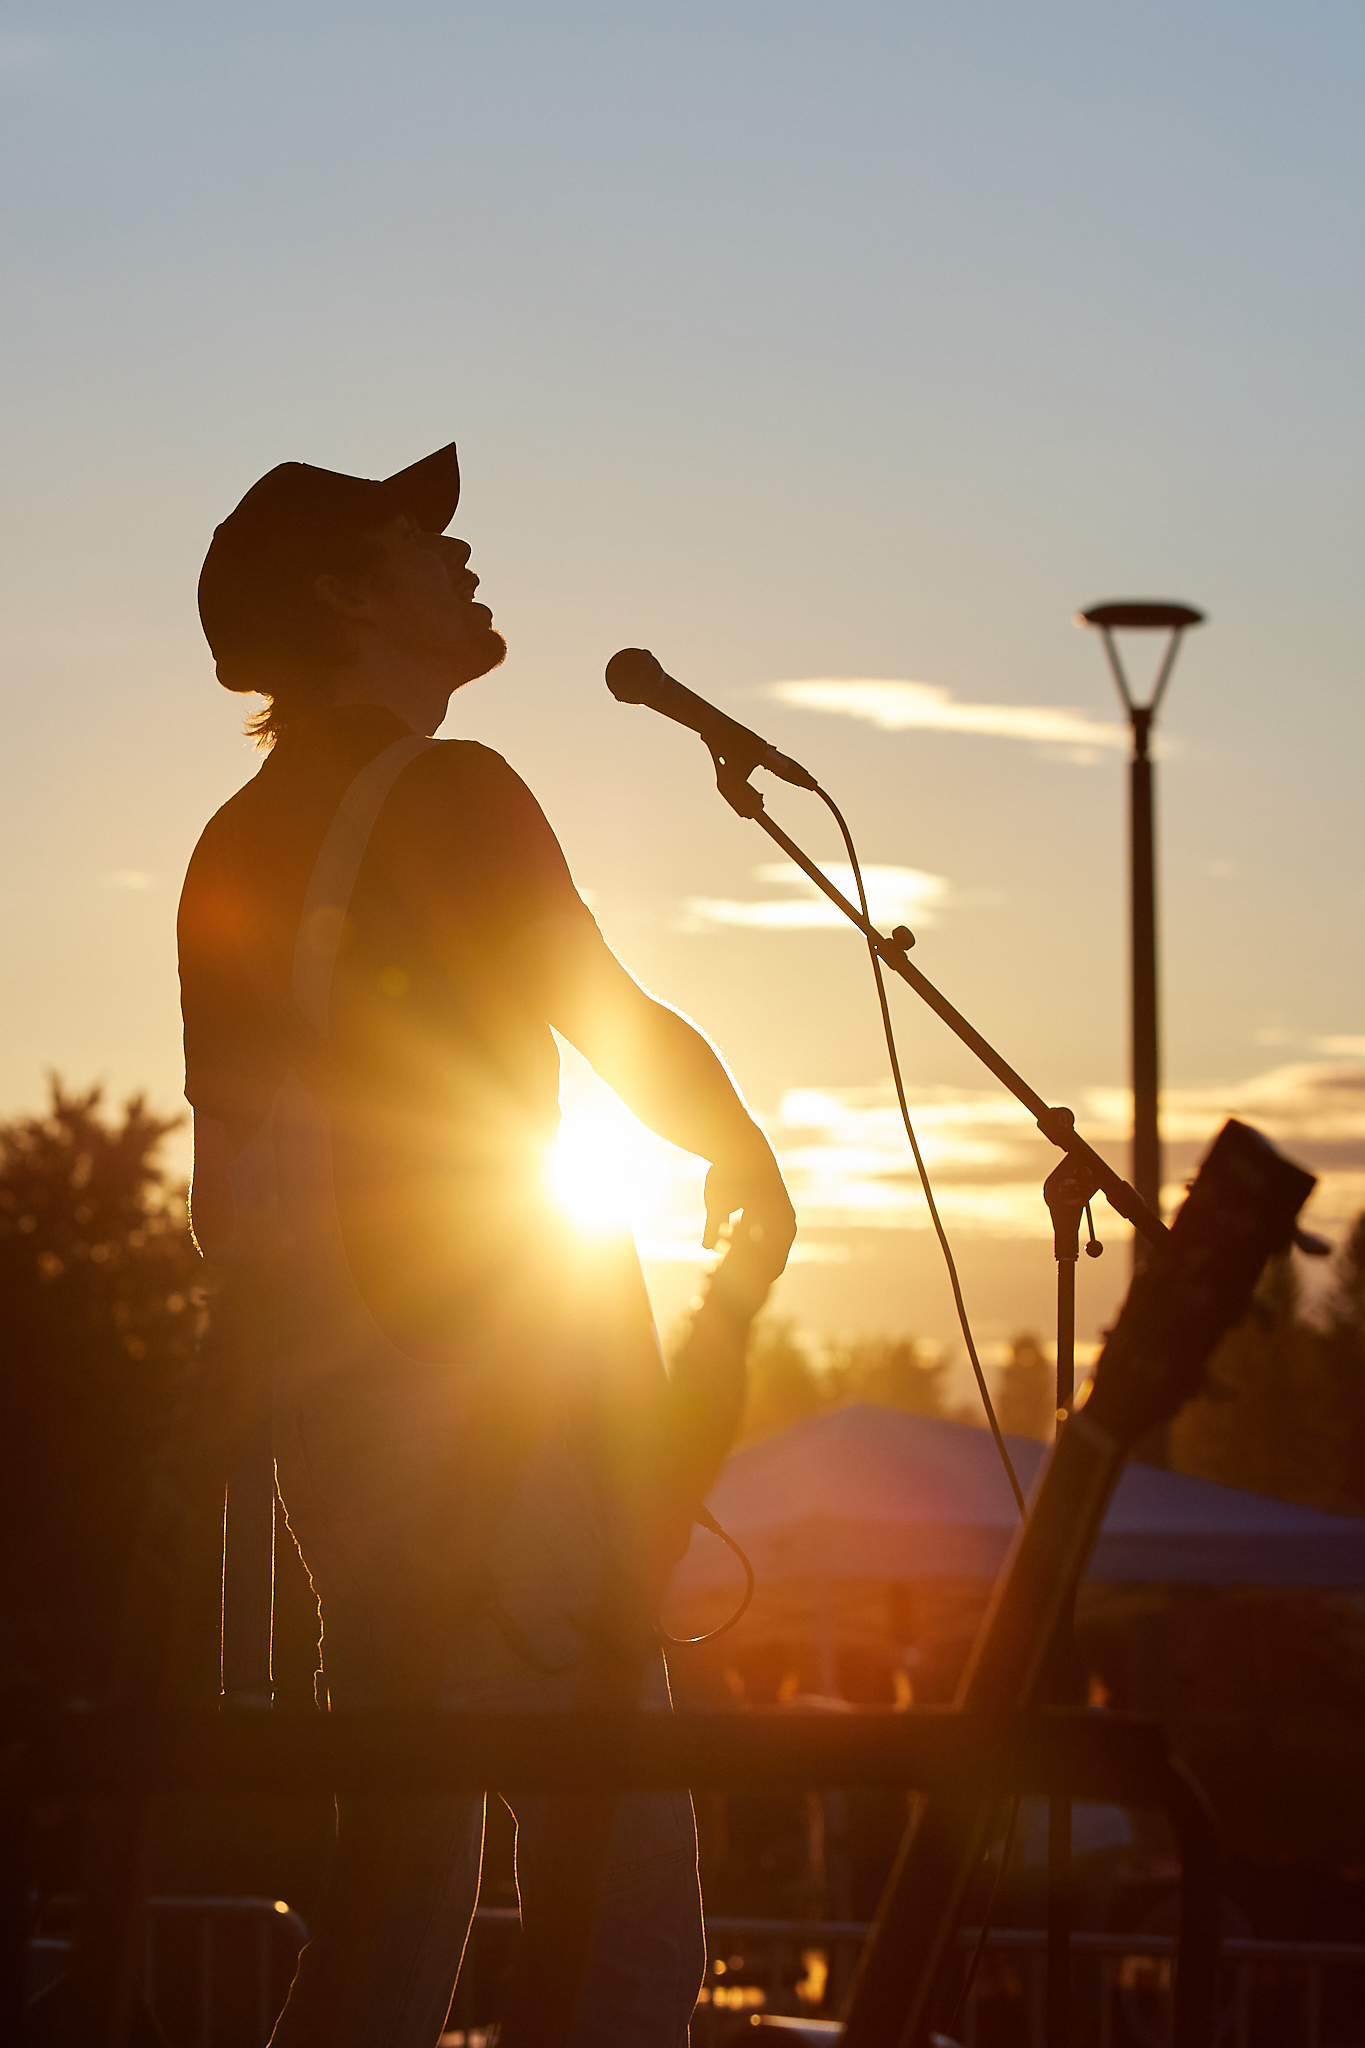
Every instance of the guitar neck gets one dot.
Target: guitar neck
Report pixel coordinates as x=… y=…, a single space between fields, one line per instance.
x=1241 y=1209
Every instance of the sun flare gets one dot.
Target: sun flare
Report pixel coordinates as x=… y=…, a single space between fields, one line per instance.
x=605 y=1170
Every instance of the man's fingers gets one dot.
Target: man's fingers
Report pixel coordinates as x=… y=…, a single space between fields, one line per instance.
x=768 y=1219
x=721 y=1205
x=722 y=1200
x=761 y=1241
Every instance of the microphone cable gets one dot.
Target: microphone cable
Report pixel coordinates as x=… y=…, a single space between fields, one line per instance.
x=704 y=1518
x=934 y=1216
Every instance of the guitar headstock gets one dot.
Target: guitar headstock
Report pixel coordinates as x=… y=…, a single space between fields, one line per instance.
x=1239 y=1212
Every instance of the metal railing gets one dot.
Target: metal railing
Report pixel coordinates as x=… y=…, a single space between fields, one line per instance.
x=1070 y=1753
x=198 y=1954
x=1133 y=2006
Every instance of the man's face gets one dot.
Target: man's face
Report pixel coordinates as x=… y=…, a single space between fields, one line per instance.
x=421 y=597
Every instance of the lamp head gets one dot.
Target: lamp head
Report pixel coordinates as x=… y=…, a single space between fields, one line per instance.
x=1141 y=616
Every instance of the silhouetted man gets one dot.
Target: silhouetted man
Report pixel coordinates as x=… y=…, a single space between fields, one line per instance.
x=377 y=934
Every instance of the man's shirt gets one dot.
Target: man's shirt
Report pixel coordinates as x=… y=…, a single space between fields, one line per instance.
x=444 y=1071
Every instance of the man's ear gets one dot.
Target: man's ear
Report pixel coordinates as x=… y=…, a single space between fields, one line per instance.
x=347 y=596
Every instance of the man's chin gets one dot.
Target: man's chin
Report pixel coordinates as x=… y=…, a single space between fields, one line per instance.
x=487 y=651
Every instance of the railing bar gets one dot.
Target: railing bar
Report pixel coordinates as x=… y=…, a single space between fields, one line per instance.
x=818 y=1930
x=1239 y=1953
x=1243 y=2003
x=1253 y=1949
x=263 y=1986
x=1232 y=1948
x=206 y=1983
x=1107 y=2002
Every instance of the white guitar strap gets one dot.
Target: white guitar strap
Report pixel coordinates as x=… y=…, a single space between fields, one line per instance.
x=334 y=876
x=280 y=1179
x=253 y=1173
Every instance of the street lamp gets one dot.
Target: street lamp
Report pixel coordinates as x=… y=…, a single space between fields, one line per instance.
x=1139 y=617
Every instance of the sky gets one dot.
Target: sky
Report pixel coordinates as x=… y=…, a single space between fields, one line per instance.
x=839 y=355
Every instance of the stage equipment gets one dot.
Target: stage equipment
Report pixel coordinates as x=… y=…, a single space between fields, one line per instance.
x=733 y=769
x=1069 y=1190
x=1241 y=1210
x=1143 y=617
x=1088 y=1170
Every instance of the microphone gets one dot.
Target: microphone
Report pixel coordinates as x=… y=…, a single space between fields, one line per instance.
x=635 y=677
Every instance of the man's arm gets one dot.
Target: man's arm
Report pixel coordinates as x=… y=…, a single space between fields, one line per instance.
x=212 y=1221
x=227 y=1219
x=670 y=1076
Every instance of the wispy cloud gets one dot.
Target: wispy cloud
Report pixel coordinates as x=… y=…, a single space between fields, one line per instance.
x=846 y=1159
x=894 y=896
x=898 y=706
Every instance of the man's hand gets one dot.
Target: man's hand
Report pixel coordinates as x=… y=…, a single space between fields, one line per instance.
x=753 y=1189
x=672 y=1077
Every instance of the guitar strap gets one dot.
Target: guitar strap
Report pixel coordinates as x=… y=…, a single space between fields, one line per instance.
x=282 y=1191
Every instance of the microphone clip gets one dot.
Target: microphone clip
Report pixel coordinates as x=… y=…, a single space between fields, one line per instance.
x=732 y=780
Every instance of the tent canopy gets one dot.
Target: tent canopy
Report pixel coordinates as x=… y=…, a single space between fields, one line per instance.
x=874 y=1493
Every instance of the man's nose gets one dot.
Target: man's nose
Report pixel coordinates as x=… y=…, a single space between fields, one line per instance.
x=459 y=550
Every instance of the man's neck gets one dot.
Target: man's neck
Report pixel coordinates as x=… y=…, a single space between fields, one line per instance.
x=412 y=688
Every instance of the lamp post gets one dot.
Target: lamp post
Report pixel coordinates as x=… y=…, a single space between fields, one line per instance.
x=1174 y=619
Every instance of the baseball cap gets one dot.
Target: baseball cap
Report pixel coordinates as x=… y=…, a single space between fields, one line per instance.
x=296 y=522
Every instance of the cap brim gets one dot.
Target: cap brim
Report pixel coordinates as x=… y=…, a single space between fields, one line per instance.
x=429 y=489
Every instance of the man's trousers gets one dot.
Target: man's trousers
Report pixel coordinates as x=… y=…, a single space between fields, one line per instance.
x=361 y=1476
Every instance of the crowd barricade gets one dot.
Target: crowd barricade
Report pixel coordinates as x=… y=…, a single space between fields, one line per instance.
x=1078 y=1754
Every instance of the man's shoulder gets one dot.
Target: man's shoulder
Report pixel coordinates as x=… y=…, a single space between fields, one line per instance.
x=462 y=819
x=462 y=761
x=229 y=820
x=459 y=778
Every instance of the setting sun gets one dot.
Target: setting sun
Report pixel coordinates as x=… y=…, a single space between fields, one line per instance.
x=605 y=1169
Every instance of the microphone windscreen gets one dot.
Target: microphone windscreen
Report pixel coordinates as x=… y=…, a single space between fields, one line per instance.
x=632 y=674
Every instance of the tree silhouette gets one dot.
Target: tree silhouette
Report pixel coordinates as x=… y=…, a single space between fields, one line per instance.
x=894 y=1372
x=1344 y=1345
x=1283 y=1407
x=1026 y=1398
x=790 y=1379
x=784 y=1384
x=99 y=1309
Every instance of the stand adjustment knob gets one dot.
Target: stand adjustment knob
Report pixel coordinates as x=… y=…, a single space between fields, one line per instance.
x=903 y=937
x=1093 y=1248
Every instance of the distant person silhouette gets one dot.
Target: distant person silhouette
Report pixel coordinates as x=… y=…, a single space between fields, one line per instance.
x=378 y=934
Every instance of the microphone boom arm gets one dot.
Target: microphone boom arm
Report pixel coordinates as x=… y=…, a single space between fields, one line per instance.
x=1056 y=1125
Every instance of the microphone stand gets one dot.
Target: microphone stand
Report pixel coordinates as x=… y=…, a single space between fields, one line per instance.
x=1068 y=1191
